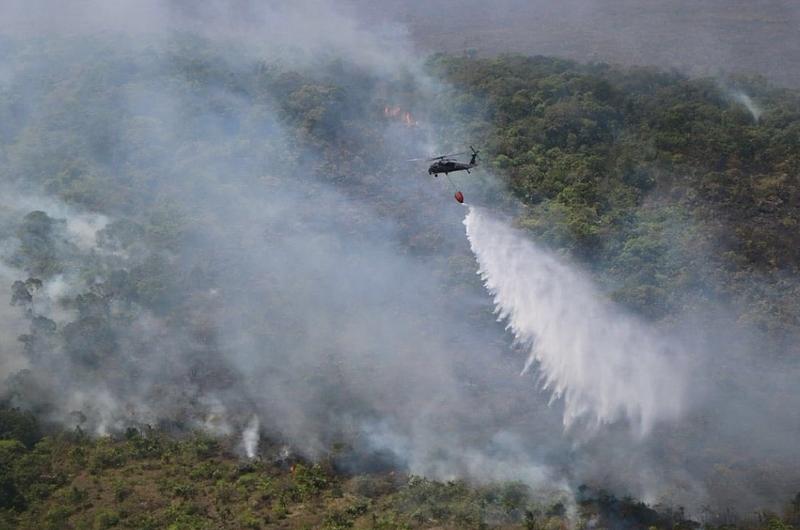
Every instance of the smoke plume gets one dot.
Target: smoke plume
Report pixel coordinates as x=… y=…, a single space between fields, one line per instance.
x=752 y=107
x=250 y=438
x=208 y=225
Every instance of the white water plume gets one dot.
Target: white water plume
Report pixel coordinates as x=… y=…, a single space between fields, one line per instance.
x=606 y=365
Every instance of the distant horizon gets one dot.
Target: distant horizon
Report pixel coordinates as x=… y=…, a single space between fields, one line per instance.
x=698 y=38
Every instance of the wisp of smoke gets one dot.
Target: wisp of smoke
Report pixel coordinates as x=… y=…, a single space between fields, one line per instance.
x=250 y=437
x=752 y=107
x=606 y=365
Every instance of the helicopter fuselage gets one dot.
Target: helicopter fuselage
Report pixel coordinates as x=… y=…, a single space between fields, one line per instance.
x=448 y=166
x=445 y=164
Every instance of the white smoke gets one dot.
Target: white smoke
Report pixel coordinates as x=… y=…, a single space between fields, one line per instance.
x=606 y=365
x=215 y=421
x=14 y=324
x=755 y=110
x=81 y=226
x=250 y=437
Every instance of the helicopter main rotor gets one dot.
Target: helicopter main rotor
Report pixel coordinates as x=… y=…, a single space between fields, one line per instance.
x=440 y=157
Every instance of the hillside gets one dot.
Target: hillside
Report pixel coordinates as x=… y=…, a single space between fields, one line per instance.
x=663 y=183
x=149 y=480
x=205 y=247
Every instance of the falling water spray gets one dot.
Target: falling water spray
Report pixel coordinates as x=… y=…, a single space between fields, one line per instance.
x=605 y=364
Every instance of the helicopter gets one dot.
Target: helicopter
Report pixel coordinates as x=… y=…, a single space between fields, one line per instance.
x=446 y=164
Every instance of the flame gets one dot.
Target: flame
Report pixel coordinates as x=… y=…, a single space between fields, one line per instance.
x=401 y=115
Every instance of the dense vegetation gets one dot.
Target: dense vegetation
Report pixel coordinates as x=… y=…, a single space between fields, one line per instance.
x=149 y=480
x=667 y=187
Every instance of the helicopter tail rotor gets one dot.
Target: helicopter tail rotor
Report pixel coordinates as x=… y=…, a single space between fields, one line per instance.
x=474 y=160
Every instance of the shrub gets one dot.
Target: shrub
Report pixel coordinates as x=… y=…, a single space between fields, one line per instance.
x=309 y=480
x=19 y=425
x=105 y=518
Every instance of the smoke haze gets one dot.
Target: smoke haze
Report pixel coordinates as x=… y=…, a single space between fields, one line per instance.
x=207 y=262
x=705 y=38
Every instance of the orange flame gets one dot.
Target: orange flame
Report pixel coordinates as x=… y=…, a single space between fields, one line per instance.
x=401 y=115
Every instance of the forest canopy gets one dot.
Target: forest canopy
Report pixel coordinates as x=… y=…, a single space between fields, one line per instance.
x=666 y=184
x=185 y=222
